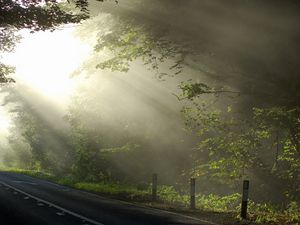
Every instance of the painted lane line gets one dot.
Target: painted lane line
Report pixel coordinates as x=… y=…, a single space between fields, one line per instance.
x=24 y=182
x=207 y=222
x=53 y=205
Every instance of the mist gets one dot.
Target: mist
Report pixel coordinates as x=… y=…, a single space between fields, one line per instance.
x=70 y=117
x=251 y=46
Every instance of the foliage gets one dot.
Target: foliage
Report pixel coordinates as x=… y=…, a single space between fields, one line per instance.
x=263 y=213
x=36 y=142
x=127 y=42
x=130 y=192
x=97 y=145
x=218 y=203
x=231 y=148
x=209 y=202
x=5 y=70
x=33 y=173
x=259 y=213
x=292 y=213
x=285 y=124
x=36 y=15
x=192 y=90
x=171 y=195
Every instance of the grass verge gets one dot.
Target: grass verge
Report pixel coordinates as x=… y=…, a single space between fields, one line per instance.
x=222 y=210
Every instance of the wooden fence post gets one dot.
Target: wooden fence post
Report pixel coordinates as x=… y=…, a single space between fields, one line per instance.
x=193 y=193
x=245 y=199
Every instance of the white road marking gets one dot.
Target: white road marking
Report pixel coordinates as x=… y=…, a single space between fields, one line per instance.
x=24 y=182
x=53 y=205
x=60 y=213
x=136 y=205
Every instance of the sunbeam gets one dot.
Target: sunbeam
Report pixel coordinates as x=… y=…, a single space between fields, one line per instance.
x=45 y=60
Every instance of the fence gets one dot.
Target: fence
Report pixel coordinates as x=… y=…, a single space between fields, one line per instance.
x=244 y=203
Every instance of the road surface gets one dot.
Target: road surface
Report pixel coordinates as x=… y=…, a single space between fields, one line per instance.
x=29 y=201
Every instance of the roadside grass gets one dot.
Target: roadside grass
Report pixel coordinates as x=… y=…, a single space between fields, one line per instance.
x=120 y=191
x=169 y=198
x=270 y=214
x=32 y=173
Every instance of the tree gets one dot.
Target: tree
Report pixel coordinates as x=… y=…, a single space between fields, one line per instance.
x=37 y=139
x=125 y=41
x=227 y=145
x=35 y=15
x=283 y=125
x=262 y=146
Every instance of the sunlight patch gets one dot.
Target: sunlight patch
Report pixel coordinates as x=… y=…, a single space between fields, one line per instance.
x=45 y=60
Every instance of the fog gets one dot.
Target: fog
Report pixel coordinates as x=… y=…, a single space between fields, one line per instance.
x=252 y=46
x=249 y=47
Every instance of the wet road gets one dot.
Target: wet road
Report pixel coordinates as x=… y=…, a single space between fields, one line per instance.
x=30 y=201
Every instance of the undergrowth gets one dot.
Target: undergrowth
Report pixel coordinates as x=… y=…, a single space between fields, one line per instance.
x=259 y=213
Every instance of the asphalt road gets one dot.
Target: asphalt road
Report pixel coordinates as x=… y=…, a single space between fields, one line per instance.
x=29 y=201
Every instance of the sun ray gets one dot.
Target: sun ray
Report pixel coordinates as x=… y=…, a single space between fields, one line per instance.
x=45 y=60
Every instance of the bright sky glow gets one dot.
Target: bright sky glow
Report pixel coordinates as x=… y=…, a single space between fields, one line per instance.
x=4 y=123
x=45 y=60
